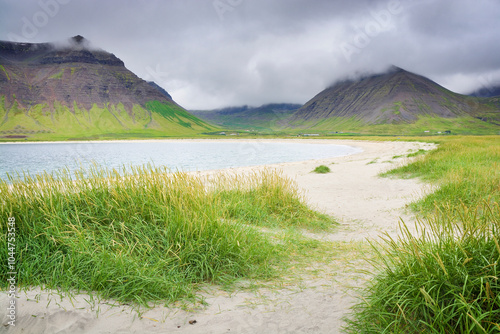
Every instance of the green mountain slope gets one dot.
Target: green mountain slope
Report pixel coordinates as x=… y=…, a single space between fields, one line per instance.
x=153 y=120
x=74 y=92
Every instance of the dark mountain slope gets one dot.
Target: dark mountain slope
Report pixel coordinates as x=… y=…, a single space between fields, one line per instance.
x=394 y=97
x=492 y=91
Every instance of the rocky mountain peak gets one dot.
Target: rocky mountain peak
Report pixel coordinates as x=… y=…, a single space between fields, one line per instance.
x=78 y=39
x=79 y=42
x=395 y=69
x=70 y=72
x=75 y=50
x=393 y=96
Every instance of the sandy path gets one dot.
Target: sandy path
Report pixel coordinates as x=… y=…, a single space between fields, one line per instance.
x=363 y=203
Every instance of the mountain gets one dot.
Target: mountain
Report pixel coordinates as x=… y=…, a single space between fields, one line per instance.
x=491 y=91
x=396 y=101
x=75 y=91
x=161 y=90
x=266 y=117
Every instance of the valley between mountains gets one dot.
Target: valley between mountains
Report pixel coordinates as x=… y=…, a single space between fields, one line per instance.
x=78 y=92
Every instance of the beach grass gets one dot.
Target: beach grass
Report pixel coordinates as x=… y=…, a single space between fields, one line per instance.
x=443 y=281
x=466 y=170
x=444 y=278
x=322 y=169
x=144 y=234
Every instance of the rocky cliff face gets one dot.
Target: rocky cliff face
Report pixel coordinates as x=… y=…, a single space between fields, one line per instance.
x=77 y=50
x=45 y=73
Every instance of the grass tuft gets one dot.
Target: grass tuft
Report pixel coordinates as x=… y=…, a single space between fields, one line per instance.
x=466 y=169
x=444 y=281
x=322 y=169
x=143 y=234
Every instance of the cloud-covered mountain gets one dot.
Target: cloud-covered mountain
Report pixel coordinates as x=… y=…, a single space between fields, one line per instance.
x=396 y=97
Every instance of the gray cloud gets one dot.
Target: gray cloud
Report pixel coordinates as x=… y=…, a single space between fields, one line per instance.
x=214 y=53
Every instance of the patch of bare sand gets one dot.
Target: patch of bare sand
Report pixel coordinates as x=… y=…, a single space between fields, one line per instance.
x=363 y=203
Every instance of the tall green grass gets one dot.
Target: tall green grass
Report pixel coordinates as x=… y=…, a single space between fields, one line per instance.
x=467 y=170
x=444 y=279
x=143 y=234
x=267 y=200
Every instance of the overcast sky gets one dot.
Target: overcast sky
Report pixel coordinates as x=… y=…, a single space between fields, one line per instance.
x=215 y=53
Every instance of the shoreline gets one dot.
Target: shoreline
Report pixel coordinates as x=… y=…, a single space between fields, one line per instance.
x=251 y=153
x=364 y=204
x=179 y=140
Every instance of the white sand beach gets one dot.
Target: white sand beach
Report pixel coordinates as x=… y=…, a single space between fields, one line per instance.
x=364 y=204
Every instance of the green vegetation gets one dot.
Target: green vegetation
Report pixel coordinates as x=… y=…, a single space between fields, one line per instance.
x=443 y=279
x=410 y=155
x=163 y=120
x=424 y=125
x=397 y=106
x=322 y=169
x=416 y=154
x=57 y=75
x=466 y=169
x=154 y=120
x=176 y=114
x=4 y=71
x=144 y=235
x=264 y=119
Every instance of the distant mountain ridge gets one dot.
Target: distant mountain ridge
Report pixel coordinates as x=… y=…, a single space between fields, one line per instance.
x=74 y=90
x=266 y=117
x=490 y=91
x=396 y=97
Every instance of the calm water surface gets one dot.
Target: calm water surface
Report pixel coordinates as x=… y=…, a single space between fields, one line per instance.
x=185 y=156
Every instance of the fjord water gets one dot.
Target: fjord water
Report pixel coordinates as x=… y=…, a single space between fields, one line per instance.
x=36 y=158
